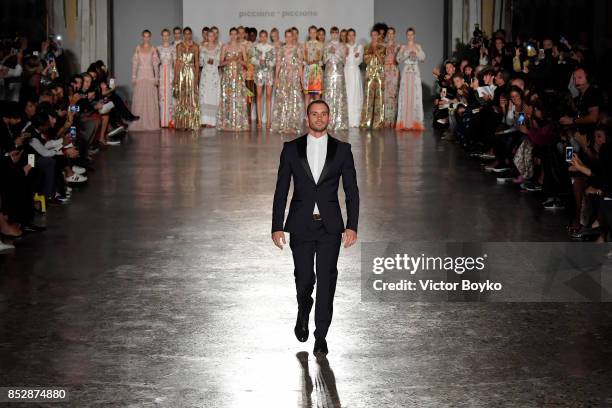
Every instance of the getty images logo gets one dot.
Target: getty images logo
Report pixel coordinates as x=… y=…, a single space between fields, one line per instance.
x=412 y=264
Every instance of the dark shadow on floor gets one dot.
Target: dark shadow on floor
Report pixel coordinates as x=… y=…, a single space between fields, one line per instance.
x=324 y=385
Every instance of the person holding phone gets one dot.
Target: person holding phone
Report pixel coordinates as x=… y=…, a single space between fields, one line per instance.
x=516 y=117
x=598 y=185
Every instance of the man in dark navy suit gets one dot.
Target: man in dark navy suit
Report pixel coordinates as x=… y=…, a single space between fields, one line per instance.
x=315 y=161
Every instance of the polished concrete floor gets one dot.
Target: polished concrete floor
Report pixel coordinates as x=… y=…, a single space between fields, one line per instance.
x=159 y=286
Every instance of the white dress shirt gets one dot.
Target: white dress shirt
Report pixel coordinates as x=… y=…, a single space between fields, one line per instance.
x=316 y=152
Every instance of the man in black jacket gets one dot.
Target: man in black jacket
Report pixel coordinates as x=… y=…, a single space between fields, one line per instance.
x=315 y=161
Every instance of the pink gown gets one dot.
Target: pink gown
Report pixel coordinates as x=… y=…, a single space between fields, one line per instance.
x=145 y=97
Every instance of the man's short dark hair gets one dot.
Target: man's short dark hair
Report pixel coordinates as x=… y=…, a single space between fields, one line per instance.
x=458 y=75
x=75 y=77
x=315 y=102
x=586 y=72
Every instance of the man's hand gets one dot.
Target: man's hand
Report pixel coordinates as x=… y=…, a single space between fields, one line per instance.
x=279 y=239
x=349 y=237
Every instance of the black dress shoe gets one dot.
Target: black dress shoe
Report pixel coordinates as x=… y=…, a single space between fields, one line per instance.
x=34 y=228
x=301 y=326
x=320 y=348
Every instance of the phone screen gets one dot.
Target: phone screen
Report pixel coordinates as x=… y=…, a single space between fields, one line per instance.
x=569 y=153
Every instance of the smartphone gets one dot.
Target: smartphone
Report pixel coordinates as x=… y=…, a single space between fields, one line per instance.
x=35 y=53
x=31 y=159
x=520 y=119
x=111 y=83
x=541 y=54
x=443 y=93
x=74 y=108
x=569 y=153
x=73 y=133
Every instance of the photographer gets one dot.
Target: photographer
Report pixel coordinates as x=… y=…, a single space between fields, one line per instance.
x=446 y=91
x=481 y=113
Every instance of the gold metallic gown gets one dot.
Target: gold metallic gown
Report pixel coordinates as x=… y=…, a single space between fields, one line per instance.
x=187 y=110
x=373 y=112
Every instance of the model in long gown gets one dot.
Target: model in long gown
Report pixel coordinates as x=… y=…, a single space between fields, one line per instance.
x=187 y=109
x=288 y=109
x=313 y=71
x=410 y=103
x=334 y=89
x=232 y=112
x=354 y=83
x=392 y=77
x=209 y=85
x=145 y=99
x=167 y=56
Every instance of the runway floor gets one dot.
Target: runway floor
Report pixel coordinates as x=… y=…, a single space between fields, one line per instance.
x=159 y=286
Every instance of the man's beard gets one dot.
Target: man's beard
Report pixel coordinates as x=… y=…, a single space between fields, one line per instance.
x=318 y=129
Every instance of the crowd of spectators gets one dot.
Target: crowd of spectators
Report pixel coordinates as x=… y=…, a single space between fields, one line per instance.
x=52 y=126
x=535 y=114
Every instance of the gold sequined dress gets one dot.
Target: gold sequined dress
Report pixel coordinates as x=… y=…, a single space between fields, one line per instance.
x=187 y=110
x=232 y=113
x=288 y=108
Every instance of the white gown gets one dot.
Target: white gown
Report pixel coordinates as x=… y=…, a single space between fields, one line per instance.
x=410 y=99
x=354 y=83
x=209 y=85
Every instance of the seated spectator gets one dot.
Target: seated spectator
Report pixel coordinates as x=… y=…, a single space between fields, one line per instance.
x=599 y=186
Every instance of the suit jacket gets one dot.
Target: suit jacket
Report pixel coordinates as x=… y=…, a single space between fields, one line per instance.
x=294 y=163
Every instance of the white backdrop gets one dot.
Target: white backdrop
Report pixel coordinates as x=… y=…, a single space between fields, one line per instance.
x=282 y=14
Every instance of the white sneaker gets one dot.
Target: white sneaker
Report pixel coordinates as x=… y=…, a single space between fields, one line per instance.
x=76 y=178
x=6 y=247
x=116 y=131
x=78 y=169
x=113 y=143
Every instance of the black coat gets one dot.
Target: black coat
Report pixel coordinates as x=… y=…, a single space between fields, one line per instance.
x=294 y=163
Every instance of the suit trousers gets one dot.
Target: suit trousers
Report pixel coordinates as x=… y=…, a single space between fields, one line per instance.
x=317 y=244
